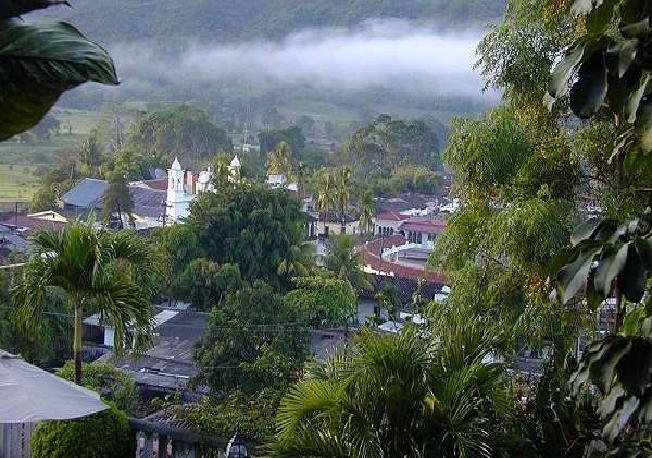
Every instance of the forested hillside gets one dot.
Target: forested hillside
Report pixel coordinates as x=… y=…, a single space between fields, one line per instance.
x=112 y=21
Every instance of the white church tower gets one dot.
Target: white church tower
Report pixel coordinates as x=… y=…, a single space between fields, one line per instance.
x=178 y=199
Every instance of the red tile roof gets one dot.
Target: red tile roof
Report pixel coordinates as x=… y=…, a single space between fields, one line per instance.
x=29 y=223
x=370 y=254
x=391 y=216
x=161 y=184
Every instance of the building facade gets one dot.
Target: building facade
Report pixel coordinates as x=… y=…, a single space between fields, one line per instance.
x=185 y=185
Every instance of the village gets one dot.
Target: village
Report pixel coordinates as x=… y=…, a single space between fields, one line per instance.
x=319 y=229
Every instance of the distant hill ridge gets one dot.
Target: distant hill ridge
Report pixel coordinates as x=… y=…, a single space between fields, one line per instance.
x=167 y=21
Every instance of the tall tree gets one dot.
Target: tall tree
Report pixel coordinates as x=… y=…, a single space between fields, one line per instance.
x=279 y=161
x=367 y=212
x=205 y=283
x=185 y=132
x=249 y=225
x=91 y=153
x=118 y=199
x=97 y=272
x=343 y=260
x=253 y=340
x=343 y=178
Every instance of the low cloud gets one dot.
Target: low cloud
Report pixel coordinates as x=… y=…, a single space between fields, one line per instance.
x=387 y=53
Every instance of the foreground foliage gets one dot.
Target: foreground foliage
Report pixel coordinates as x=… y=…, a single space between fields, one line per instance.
x=102 y=435
x=38 y=63
x=400 y=396
x=113 y=384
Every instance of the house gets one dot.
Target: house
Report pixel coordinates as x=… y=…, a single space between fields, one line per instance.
x=85 y=198
x=24 y=224
x=11 y=242
x=388 y=223
x=422 y=231
x=149 y=206
x=183 y=186
x=168 y=366
x=281 y=182
x=330 y=223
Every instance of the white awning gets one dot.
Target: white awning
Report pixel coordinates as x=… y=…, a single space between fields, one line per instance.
x=29 y=394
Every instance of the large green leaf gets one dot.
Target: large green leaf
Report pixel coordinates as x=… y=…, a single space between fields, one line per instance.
x=625 y=53
x=590 y=89
x=599 y=18
x=573 y=277
x=633 y=278
x=563 y=71
x=643 y=124
x=40 y=62
x=634 y=99
x=14 y=8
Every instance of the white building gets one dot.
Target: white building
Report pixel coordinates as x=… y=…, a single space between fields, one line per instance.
x=185 y=185
x=280 y=181
x=179 y=193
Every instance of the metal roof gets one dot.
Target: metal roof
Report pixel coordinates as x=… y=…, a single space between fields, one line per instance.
x=148 y=202
x=88 y=193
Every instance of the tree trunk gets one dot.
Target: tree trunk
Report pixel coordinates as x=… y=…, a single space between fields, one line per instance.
x=77 y=346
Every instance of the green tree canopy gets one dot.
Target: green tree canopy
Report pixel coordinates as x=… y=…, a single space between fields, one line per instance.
x=293 y=136
x=323 y=298
x=184 y=131
x=113 y=384
x=205 y=283
x=252 y=227
x=253 y=339
x=387 y=143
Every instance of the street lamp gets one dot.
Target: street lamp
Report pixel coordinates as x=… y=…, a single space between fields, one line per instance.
x=237 y=447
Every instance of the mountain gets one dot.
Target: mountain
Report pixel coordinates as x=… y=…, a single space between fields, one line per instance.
x=171 y=21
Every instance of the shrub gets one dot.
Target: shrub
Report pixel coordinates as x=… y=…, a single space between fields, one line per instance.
x=111 y=383
x=103 y=435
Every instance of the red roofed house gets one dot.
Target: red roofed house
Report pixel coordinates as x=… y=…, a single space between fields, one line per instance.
x=422 y=230
x=388 y=223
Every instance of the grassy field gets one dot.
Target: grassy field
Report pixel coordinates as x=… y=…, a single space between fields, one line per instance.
x=18 y=161
x=17 y=182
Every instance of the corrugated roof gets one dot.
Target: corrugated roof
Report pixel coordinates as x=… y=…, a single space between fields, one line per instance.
x=149 y=203
x=88 y=193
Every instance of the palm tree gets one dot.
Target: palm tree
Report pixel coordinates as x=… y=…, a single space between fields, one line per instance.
x=345 y=262
x=299 y=261
x=279 y=161
x=389 y=297
x=343 y=179
x=96 y=271
x=400 y=396
x=298 y=173
x=324 y=188
x=367 y=212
